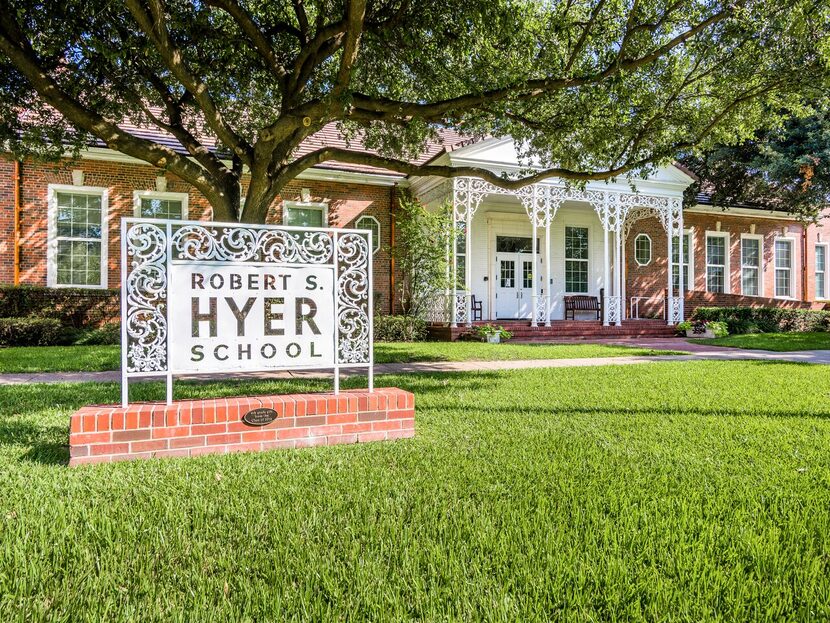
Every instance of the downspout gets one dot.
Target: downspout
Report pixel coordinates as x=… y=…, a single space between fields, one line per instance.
x=18 y=180
x=804 y=293
x=392 y=234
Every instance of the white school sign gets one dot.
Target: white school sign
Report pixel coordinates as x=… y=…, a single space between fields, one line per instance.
x=213 y=297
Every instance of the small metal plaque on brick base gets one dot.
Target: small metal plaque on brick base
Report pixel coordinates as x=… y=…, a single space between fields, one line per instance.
x=259 y=417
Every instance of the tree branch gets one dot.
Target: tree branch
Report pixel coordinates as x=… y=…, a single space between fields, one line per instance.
x=437 y=111
x=17 y=48
x=154 y=27
x=254 y=33
x=355 y=14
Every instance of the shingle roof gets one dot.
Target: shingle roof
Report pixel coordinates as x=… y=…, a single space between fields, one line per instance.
x=329 y=136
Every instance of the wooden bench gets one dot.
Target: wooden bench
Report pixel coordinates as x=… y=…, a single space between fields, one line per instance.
x=584 y=303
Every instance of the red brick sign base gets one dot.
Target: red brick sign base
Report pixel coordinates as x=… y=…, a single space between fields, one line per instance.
x=101 y=434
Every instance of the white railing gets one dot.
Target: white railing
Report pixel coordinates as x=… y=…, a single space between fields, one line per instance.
x=462 y=302
x=613 y=309
x=542 y=309
x=437 y=308
x=674 y=312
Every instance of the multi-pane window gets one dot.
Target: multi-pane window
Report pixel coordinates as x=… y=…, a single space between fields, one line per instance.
x=507 y=276
x=751 y=266
x=78 y=234
x=576 y=259
x=152 y=204
x=821 y=271
x=527 y=274
x=461 y=254
x=299 y=215
x=161 y=208
x=372 y=224
x=716 y=249
x=642 y=249
x=783 y=268
x=675 y=254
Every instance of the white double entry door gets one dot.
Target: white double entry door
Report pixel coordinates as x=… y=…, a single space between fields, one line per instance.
x=514 y=277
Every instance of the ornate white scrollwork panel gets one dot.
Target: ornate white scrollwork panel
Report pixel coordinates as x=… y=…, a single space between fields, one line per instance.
x=146 y=298
x=251 y=244
x=542 y=309
x=675 y=313
x=437 y=308
x=353 y=298
x=613 y=306
x=460 y=302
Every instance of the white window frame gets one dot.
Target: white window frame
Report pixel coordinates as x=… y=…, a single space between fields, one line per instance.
x=826 y=248
x=375 y=239
x=760 y=267
x=305 y=205
x=566 y=259
x=52 y=233
x=138 y=195
x=792 y=268
x=727 y=275
x=650 y=249
x=688 y=284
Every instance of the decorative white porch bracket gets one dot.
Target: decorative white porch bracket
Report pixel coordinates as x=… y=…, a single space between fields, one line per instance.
x=617 y=211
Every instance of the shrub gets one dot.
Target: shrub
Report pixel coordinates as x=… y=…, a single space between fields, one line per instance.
x=74 y=307
x=765 y=319
x=399 y=329
x=31 y=332
x=110 y=333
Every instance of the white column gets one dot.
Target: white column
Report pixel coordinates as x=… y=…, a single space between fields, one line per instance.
x=535 y=291
x=454 y=277
x=606 y=275
x=670 y=235
x=468 y=267
x=681 y=236
x=623 y=300
x=448 y=274
x=548 y=276
x=618 y=273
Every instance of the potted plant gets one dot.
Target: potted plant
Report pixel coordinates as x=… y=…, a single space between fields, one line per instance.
x=703 y=329
x=492 y=334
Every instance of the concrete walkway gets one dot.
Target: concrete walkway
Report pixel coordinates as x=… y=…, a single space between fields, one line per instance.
x=695 y=352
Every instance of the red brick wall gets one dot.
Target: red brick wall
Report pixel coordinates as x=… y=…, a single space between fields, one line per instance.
x=818 y=232
x=106 y=433
x=651 y=280
x=347 y=202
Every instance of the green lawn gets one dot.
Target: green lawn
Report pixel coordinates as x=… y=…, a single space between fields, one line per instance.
x=95 y=358
x=781 y=342
x=684 y=491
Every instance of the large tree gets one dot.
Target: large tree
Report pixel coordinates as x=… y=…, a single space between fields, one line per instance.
x=782 y=168
x=590 y=89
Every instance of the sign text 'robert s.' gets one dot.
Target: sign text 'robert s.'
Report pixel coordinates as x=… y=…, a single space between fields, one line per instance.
x=250 y=317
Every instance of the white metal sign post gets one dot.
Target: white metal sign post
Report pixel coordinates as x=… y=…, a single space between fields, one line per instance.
x=215 y=297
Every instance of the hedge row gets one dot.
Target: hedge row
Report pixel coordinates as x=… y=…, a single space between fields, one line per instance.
x=765 y=319
x=74 y=307
x=399 y=329
x=31 y=332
